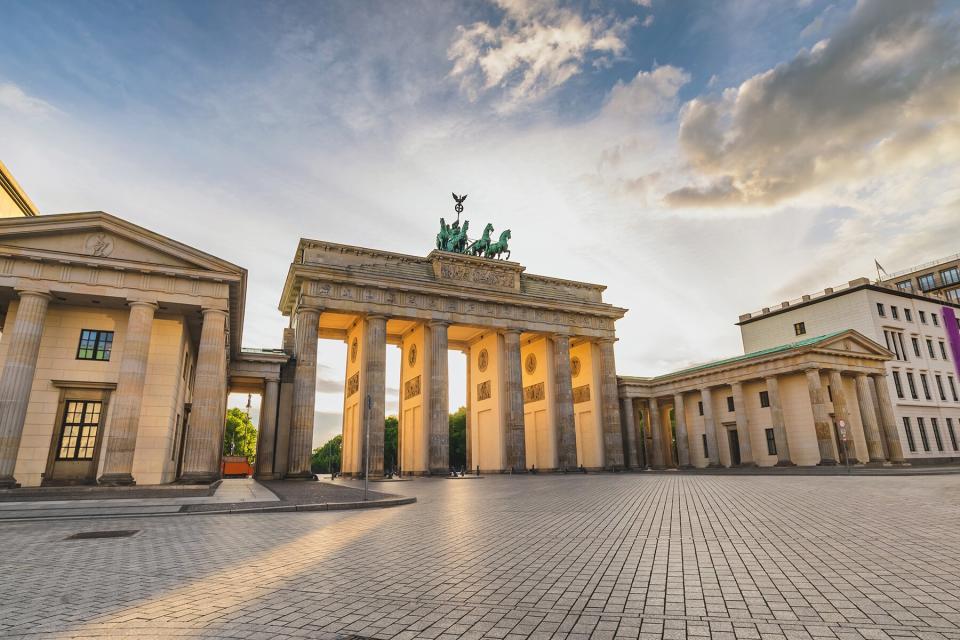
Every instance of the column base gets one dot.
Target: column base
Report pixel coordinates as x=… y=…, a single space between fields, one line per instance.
x=9 y=482
x=198 y=477
x=715 y=465
x=116 y=480
x=686 y=467
x=785 y=463
x=827 y=463
x=747 y=465
x=303 y=475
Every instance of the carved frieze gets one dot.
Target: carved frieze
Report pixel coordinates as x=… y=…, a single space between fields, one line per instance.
x=353 y=384
x=484 y=390
x=581 y=394
x=476 y=274
x=411 y=388
x=533 y=393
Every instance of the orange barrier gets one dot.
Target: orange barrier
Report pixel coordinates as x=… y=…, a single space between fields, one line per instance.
x=236 y=466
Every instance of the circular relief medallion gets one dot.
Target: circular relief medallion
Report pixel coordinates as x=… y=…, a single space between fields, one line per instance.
x=412 y=355
x=483 y=359
x=530 y=363
x=353 y=350
x=575 y=366
x=99 y=244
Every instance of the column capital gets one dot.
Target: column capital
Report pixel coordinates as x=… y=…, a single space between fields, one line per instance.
x=213 y=311
x=308 y=308
x=36 y=293
x=559 y=335
x=511 y=330
x=143 y=303
x=605 y=340
x=438 y=323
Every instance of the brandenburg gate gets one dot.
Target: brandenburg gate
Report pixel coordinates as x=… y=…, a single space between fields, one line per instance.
x=541 y=376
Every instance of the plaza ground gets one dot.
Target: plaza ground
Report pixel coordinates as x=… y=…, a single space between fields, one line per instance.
x=597 y=556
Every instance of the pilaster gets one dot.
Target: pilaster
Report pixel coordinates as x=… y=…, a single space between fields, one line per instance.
x=710 y=427
x=743 y=426
x=777 y=423
x=656 y=429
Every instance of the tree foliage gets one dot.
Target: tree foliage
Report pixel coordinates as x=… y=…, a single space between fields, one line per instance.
x=458 y=438
x=326 y=459
x=390 y=457
x=240 y=436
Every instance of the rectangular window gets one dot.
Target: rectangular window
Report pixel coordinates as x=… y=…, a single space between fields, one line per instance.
x=909 y=431
x=903 y=349
x=78 y=434
x=730 y=403
x=706 y=453
x=943 y=351
x=895 y=313
x=95 y=345
x=771 y=442
x=936 y=434
x=926 y=387
x=905 y=285
x=926 y=282
x=898 y=384
x=936 y=321
x=912 y=385
x=799 y=328
x=908 y=315
x=923 y=434
x=923 y=316
x=829 y=393
x=176 y=441
x=950 y=276
x=896 y=348
x=939 y=379
x=880 y=311
x=916 y=346
x=700 y=407
x=764 y=399
x=953 y=388
x=952 y=434
x=933 y=356
x=953 y=295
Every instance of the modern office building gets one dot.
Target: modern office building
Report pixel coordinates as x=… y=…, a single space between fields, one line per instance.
x=938 y=278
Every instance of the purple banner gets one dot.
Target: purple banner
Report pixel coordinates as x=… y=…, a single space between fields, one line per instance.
x=953 y=335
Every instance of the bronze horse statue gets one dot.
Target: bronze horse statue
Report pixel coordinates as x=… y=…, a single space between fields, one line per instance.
x=495 y=249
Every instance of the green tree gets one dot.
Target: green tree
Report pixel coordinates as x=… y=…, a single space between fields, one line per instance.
x=326 y=459
x=458 y=438
x=240 y=437
x=390 y=426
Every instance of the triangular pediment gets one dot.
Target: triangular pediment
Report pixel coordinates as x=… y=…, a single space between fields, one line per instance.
x=852 y=342
x=100 y=237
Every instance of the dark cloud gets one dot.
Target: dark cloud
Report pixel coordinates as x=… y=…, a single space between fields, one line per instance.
x=888 y=78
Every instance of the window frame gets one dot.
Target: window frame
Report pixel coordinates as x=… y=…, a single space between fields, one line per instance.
x=764 y=399
x=907 y=315
x=924 y=438
x=84 y=439
x=908 y=430
x=925 y=384
x=923 y=278
x=937 y=438
x=799 y=328
x=952 y=434
x=771 y=441
x=880 y=310
x=897 y=384
x=99 y=337
x=954 y=277
x=912 y=385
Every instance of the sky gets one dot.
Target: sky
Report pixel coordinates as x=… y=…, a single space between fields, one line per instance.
x=702 y=159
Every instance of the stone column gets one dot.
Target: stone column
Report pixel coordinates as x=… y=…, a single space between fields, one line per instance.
x=513 y=390
x=17 y=379
x=201 y=460
x=656 y=430
x=439 y=400
x=821 y=419
x=128 y=399
x=841 y=411
x=612 y=438
x=868 y=415
x=777 y=423
x=563 y=398
x=743 y=426
x=303 y=411
x=267 y=438
x=710 y=427
x=888 y=420
x=629 y=432
x=375 y=376
x=683 y=441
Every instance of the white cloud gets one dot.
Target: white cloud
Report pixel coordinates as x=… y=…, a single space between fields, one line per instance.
x=648 y=93
x=889 y=76
x=15 y=99
x=536 y=48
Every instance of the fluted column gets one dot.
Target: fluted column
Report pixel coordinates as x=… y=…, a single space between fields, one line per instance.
x=710 y=427
x=201 y=460
x=375 y=377
x=612 y=438
x=303 y=411
x=683 y=441
x=868 y=415
x=513 y=389
x=743 y=426
x=888 y=421
x=267 y=438
x=821 y=419
x=631 y=461
x=656 y=430
x=563 y=399
x=128 y=400
x=439 y=400
x=841 y=411
x=17 y=378
x=777 y=423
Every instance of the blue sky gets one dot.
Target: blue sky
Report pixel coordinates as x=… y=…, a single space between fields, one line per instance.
x=703 y=159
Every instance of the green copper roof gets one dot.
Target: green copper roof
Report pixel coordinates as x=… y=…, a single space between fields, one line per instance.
x=756 y=354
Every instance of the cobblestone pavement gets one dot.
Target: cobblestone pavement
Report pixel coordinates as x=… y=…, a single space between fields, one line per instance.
x=575 y=557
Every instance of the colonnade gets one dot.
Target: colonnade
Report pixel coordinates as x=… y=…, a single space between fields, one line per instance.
x=205 y=436
x=370 y=382
x=829 y=409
